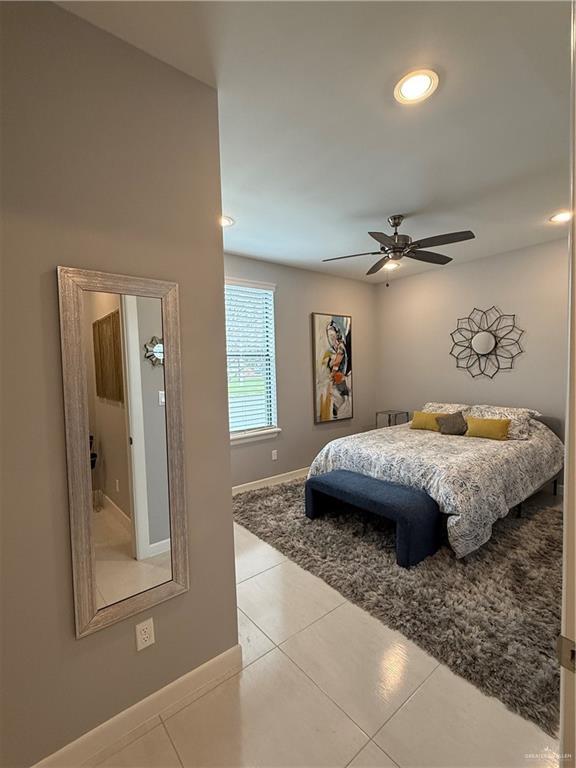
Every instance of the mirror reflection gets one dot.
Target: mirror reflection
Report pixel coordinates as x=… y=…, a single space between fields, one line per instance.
x=483 y=342
x=128 y=455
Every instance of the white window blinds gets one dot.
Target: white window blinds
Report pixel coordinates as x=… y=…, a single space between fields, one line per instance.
x=251 y=357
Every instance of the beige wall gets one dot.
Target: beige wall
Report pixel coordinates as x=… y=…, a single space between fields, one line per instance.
x=110 y=161
x=299 y=293
x=417 y=314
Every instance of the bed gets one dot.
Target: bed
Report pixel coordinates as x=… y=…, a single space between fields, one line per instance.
x=474 y=480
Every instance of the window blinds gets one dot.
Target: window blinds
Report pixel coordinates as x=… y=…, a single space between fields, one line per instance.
x=251 y=357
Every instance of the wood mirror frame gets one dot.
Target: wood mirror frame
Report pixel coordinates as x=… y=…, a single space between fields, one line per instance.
x=71 y=284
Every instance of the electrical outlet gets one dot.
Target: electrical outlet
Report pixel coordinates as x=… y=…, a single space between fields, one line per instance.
x=117 y=482
x=274 y=455
x=145 y=634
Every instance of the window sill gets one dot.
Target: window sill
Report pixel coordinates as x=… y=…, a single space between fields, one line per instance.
x=254 y=435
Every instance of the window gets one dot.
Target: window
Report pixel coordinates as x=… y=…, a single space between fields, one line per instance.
x=251 y=359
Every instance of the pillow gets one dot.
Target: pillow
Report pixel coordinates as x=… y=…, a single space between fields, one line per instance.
x=519 y=418
x=444 y=408
x=493 y=429
x=421 y=420
x=452 y=423
x=510 y=412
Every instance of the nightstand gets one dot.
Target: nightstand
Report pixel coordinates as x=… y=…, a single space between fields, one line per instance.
x=392 y=417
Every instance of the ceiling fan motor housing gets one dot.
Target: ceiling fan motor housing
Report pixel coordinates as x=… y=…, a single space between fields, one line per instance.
x=397 y=250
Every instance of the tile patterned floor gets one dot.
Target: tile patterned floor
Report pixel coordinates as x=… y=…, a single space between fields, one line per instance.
x=325 y=684
x=118 y=574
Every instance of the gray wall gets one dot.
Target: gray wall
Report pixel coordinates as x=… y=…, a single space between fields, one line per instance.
x=417 y=314
x=401 y=345
x=107 y=418
x=152 y=380
x=298 y=294
x=110 y=161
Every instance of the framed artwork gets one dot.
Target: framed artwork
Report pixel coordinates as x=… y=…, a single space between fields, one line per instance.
x=108 y=357
x=332 y=348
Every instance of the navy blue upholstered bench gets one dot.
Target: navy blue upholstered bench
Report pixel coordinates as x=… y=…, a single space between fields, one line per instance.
x=417 y=516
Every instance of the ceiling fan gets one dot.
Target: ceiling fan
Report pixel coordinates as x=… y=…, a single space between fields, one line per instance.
x=395 y=247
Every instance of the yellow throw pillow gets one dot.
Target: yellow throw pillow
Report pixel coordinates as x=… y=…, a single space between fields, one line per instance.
x=421 y=420
x=493 y=429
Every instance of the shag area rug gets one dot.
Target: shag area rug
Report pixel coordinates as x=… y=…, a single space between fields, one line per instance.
x=493 y=618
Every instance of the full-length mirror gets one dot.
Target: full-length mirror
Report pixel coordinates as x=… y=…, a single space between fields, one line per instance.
x=127 y=424
x=120 y=347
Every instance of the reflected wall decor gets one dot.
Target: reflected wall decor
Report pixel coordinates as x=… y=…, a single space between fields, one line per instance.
x=485 y=342
x=108 y=357
x=332 y=344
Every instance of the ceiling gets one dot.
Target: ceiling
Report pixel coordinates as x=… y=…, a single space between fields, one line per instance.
x=315 y=151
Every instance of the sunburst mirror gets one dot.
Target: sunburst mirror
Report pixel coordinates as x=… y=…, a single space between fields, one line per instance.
x=154 y=351
x=485 y=342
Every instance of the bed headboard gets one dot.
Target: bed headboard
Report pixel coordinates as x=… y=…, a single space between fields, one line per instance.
x=555 y=424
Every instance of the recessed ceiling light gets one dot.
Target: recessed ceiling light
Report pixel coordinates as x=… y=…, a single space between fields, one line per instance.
x=561 y=217
x=416 y=86
x=390 y=266
x=227 y=221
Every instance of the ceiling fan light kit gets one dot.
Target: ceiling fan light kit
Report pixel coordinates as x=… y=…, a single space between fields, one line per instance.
x=395 y=247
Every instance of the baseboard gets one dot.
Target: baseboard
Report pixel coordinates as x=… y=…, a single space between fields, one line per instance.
x=158 y=548
x=96 y=745
x=120 y=515
x=274 y=480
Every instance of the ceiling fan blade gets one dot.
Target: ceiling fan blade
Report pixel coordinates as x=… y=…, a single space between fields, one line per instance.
x=383 y=238
x=352 y=255
x=451 y=237
x=429 y=257
x=378 y=266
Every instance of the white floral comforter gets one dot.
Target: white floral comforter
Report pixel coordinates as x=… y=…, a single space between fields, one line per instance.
x=474 y=480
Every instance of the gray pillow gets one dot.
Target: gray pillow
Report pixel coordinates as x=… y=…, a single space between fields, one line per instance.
x=452 y=423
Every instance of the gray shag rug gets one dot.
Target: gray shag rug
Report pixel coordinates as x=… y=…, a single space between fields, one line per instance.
x=493 y=618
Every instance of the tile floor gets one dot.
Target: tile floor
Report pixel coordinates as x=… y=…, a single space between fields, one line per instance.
x=118 y=574
x=325 y=684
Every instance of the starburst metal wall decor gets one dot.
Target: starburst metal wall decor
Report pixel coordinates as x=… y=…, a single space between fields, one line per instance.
x=154 y=351
x=485 y=342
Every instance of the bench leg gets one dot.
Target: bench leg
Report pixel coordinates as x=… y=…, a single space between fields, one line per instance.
x=410 y=550
x=555 y=487
x=313 y=503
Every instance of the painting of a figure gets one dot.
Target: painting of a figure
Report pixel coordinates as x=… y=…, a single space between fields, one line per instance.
x=332 y=336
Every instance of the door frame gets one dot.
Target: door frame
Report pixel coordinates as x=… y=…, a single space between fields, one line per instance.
x=567 y=676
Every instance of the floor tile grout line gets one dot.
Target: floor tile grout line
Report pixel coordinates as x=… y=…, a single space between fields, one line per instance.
x=386 y=753
x=371 y=741
x=256 y=625
x=264 y=570
x=315 y=621
x=357 y=753
x=414 y=692
x=165 y=719
x=252 y=662
x=327 y=695
x=180 y=760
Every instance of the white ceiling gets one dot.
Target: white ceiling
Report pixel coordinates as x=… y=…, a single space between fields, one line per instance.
x=314 y=149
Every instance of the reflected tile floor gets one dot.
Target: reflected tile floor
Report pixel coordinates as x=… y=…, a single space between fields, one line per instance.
x=118 y=574
x=325 y=684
